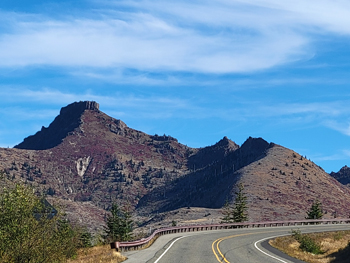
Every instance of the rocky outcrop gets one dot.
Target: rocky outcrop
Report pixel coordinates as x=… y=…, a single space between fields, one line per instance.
x=211 y=154
x=66 y=122
x=80 y=107
x=343 y=176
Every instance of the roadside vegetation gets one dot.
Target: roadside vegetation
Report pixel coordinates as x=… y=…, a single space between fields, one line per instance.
x=315 y=211
x=326 y=247
x=98 y=254
x=32 y=230
x=236 y=212
x=119 y=225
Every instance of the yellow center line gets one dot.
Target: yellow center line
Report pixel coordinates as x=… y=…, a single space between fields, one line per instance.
x=218 y=241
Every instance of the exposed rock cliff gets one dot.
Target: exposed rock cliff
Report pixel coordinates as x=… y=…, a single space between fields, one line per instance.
x=66 y=122
x=343 y=176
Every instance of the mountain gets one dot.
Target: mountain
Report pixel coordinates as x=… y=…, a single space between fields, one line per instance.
x=85 y=160
x=343 y=176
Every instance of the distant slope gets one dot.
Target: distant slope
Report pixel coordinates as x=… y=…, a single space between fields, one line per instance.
x=210 y=186
x=284 y=184
x=280 y=184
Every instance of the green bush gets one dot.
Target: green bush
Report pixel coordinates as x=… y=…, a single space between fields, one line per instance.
x=307 y=243
x=85 y=239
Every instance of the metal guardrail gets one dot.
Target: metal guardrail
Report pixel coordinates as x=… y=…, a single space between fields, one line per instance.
x=146 y=242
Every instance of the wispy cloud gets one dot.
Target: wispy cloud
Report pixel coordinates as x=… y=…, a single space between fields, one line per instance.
x=340 y=126
x=119 y=103
x=338 y=156
x=347 y=153
x=326 y=113
x=199 y=36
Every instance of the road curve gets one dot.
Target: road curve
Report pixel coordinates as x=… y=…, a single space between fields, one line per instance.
x=245 y=245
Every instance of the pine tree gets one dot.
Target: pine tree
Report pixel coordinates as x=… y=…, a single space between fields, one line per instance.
x=127 y=225
x=119 y=224
x=227 y=213
x=113 y=222
x=315 y=211
x=240 y=207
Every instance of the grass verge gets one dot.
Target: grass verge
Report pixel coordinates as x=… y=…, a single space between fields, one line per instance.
x=98 y=254
x=334 y=247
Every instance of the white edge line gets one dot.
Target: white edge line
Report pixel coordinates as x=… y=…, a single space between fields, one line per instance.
x=168 y=248
x=265 y=252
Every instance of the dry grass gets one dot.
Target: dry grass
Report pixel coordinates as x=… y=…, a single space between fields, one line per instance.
x=98 y=254
x=335 y=247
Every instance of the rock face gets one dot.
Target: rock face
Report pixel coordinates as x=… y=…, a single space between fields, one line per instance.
x=343 y=176
x=66 y=122
x=88 y=159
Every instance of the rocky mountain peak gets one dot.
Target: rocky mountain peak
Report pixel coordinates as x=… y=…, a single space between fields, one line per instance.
x=67 y=121
x=79 y=107
x=343 y=176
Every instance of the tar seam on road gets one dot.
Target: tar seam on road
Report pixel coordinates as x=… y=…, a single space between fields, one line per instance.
x=168 y=249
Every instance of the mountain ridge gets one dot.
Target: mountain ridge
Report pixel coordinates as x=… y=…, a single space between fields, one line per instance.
x=89 y=159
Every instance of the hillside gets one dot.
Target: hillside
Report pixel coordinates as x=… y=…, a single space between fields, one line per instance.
x=86 y=160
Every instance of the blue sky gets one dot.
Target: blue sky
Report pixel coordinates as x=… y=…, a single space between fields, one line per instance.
x=195 y=70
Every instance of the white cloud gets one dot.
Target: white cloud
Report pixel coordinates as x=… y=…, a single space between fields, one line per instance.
x=323 y=109
x=347 y=153
x=155 y=107
x=338 y=156
x=200 y=36
x=340 y=126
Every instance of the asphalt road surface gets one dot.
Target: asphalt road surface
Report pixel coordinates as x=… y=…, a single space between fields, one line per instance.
x=248 y=245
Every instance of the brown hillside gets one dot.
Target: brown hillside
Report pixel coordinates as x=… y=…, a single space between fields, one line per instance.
x=284 y=185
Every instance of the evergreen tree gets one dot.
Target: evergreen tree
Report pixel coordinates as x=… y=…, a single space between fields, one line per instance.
x=315 y=211
x=86 y=238
x=127 y=225
x=227 y=213
x=119 y=224
x=240 y=207
x=113 y=222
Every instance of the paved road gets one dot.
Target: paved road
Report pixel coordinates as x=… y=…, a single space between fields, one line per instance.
x=233 y=245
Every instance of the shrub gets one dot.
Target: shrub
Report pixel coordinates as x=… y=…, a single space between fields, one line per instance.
x=307 y=243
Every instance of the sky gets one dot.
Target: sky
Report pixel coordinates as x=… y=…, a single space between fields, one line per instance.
x=195 y=70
